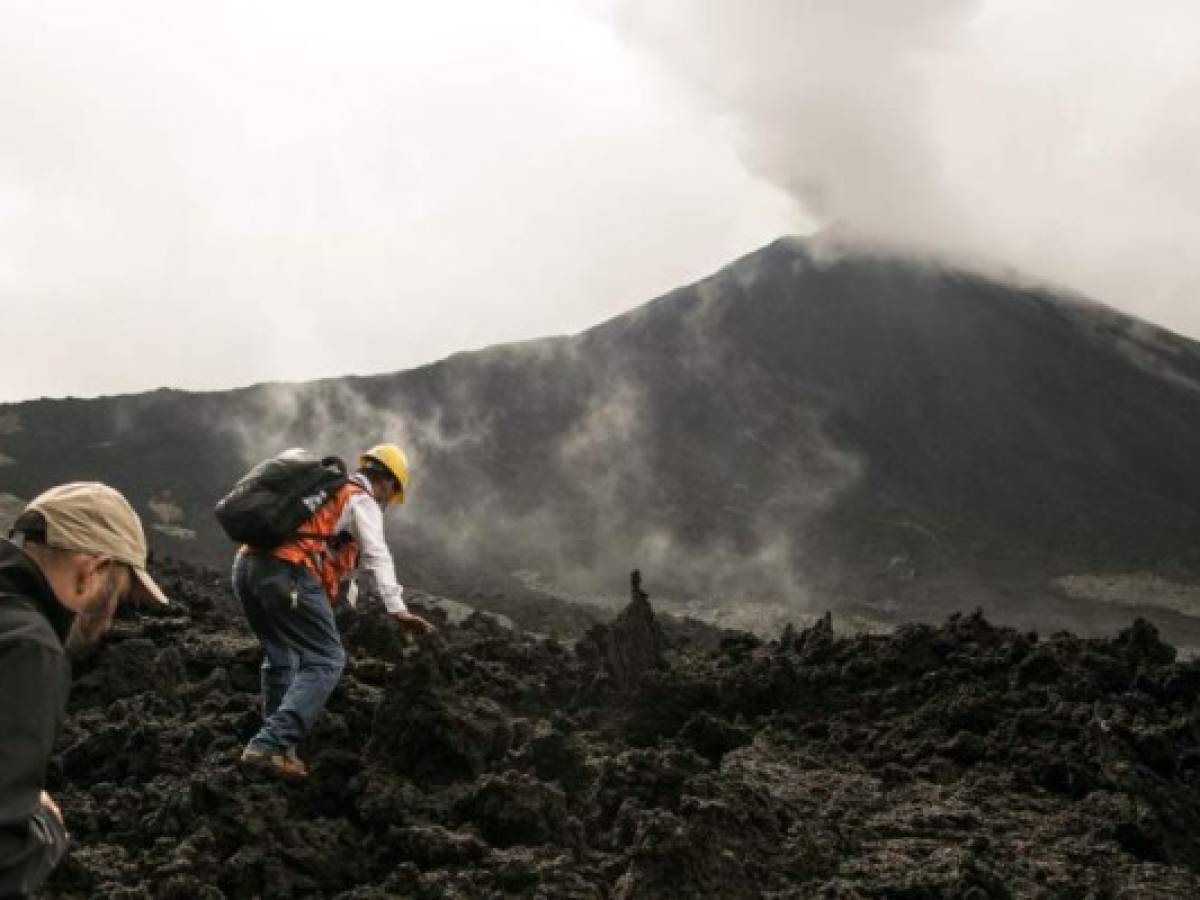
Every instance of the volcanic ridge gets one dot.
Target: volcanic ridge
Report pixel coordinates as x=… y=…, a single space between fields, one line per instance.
x=809 y=428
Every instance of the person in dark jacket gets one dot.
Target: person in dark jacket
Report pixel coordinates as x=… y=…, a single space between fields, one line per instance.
x=73 y=554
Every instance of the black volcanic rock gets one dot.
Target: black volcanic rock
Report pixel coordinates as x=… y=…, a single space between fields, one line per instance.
x=631 y=645
x=937 y=762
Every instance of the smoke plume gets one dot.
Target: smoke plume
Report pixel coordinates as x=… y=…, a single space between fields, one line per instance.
x=1059 y=139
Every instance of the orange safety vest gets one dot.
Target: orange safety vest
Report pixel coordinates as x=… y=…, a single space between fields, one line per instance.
x=331 y=561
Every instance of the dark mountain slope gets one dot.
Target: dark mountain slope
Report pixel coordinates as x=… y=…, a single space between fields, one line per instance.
x=798 y=425
x=969 y=404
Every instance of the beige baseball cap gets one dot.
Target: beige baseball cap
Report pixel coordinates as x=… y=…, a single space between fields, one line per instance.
x=89 y=517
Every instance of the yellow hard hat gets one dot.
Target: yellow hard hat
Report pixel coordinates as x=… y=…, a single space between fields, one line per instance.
x=393 y=459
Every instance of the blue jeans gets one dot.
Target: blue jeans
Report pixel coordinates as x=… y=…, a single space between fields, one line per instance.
x=302 y=650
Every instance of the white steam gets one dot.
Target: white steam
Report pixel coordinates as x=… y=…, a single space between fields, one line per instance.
x=1057 y=138
x=333 y=418
x=604 y=504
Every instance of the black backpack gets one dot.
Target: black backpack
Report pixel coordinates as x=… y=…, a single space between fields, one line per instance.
x=270 y=503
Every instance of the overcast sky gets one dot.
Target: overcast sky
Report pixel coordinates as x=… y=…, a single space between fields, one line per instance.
x=205 y=195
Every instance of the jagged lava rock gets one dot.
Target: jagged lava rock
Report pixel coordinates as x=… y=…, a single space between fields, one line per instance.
x=956 y=760
x=631 y=645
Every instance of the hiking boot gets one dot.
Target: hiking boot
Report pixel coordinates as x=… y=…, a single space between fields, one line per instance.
x=284 y=765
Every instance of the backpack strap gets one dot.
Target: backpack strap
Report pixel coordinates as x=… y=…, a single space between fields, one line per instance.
x=327 y=538
x=336 y=540
x=315 y=536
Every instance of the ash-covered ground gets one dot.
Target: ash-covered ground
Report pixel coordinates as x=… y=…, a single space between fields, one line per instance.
x=640 y=760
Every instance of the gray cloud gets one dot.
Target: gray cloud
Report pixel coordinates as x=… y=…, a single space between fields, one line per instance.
x=192 y=195
x=206 y=196
x=1057 y=139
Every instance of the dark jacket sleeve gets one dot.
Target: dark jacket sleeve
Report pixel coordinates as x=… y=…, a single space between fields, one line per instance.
x=34 y=682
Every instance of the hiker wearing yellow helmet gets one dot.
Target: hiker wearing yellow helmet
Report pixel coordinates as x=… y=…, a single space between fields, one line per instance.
x=287 y=593
x=389 y=462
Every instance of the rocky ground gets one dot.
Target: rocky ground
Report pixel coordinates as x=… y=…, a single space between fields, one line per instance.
x=636 y=761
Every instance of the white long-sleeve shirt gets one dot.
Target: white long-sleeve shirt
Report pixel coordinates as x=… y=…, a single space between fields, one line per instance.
x=376 y=573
